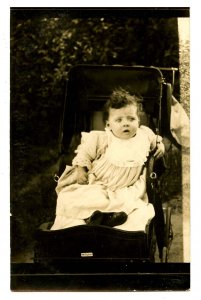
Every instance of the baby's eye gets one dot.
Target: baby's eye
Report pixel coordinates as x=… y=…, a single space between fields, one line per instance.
x=118 y=120
x=131 y=119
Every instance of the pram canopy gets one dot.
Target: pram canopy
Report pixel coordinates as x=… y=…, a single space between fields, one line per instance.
x=88 y=88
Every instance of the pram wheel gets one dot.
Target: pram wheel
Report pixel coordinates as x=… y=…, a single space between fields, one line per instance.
x=164 y=258
x=153 y=246
x=168 y=234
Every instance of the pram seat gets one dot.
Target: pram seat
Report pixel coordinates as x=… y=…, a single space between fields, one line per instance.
x=87 y=89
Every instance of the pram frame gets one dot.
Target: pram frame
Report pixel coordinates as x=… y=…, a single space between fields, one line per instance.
x=150 y=236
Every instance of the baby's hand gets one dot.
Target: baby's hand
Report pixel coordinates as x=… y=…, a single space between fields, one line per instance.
x=82 y=176
x=160 y=150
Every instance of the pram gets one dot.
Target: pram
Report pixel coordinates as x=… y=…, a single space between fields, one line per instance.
x=87 y=90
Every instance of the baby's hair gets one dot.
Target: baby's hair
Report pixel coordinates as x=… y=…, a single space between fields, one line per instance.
x=118 y=99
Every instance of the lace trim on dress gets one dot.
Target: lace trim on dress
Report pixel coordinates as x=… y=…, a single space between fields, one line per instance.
x=128 y=153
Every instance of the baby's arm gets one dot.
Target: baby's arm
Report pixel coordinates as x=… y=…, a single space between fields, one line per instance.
x=82 y=175
x=155 y=142
x=86 y=153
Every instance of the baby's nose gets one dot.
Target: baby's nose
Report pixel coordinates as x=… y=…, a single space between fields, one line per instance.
x=125 y=123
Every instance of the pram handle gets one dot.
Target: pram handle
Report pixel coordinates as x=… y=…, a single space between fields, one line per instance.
x=173 y=70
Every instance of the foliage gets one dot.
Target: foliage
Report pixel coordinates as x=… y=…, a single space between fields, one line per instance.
x=43 y=49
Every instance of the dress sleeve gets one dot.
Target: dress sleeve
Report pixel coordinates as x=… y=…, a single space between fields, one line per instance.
x=153 y=138
x=86 y=151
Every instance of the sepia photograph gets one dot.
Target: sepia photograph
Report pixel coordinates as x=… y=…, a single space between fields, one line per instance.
x=100 y=149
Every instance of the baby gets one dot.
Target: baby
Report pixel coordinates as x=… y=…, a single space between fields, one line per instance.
x=107 y=180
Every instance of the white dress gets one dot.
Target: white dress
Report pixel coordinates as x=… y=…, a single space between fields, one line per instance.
x=117 y=180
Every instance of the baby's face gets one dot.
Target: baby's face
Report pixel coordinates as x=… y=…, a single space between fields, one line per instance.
x=123 y=122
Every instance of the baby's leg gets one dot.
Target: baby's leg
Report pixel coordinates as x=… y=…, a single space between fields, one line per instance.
x=108 y=219
x=138 y=219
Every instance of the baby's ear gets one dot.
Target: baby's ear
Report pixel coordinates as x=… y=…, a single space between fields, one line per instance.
x=107 y=123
